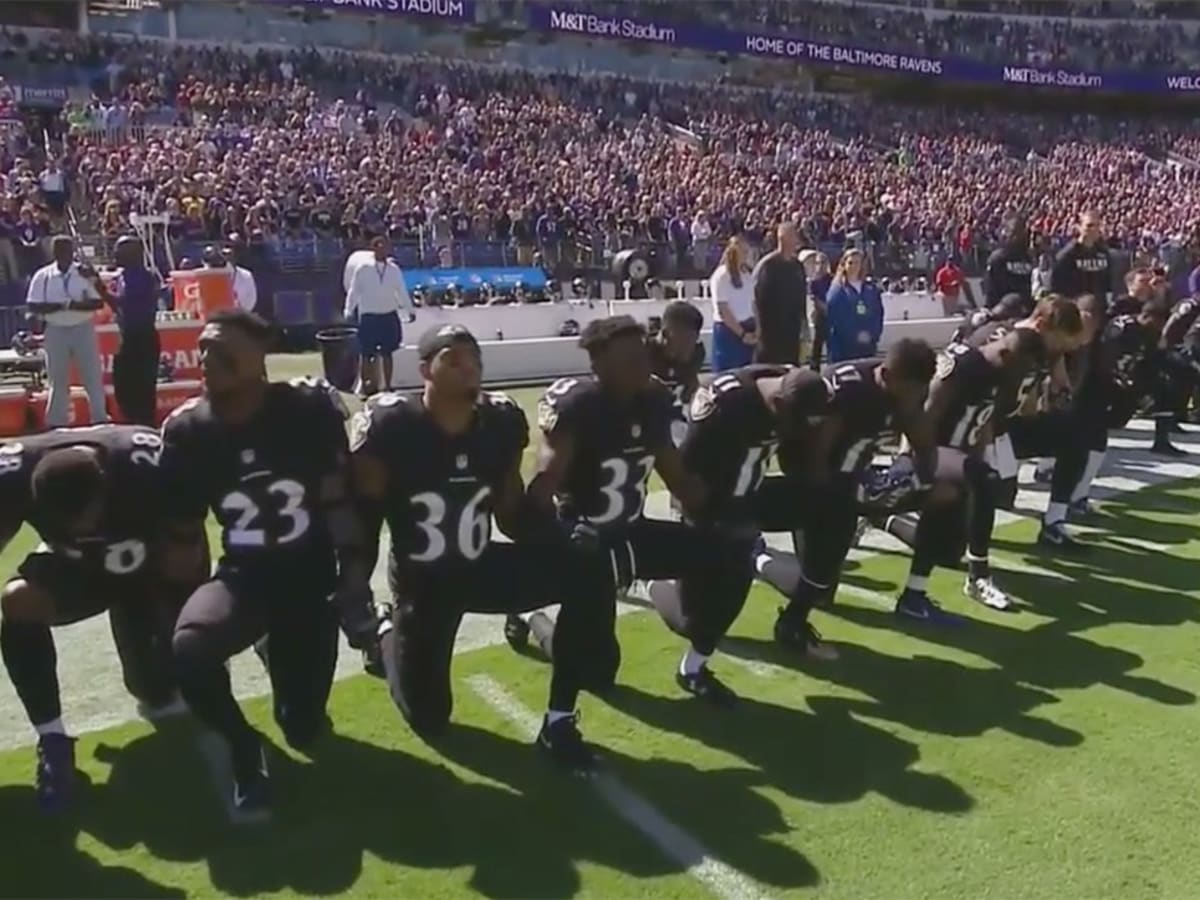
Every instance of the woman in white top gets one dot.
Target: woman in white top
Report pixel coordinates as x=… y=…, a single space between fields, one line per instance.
x=734 y=334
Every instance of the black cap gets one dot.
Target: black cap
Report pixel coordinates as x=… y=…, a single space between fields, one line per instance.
x=437 y=338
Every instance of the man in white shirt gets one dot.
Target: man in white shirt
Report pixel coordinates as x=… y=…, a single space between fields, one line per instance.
x=54 y=187
x=245 y=291
x=66 y=297
x=375 y=293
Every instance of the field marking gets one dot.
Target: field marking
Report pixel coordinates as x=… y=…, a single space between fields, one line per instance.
x=675 y=843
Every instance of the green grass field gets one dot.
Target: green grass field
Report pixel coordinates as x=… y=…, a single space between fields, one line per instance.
x=1048 y=754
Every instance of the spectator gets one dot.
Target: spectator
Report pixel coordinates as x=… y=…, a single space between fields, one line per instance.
x=780 y=293
x=134 y=295
x=734 y=330
x=374 y=297
x=64 y=295
x=949 y=282
x=816 y=271
x=854 y=311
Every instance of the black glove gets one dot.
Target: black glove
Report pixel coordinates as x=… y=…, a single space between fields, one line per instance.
x=357 y=615
x=582 y=534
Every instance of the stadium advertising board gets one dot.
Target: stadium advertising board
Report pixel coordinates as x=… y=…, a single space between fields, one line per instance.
x=694 y=36
x=438 y=9
x=500 y=277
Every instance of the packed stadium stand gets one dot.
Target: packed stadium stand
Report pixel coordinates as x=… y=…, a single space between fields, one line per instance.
x=498 y=133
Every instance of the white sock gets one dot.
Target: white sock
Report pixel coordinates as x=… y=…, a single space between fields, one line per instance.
x=54 y=726
x=1055 y=513
x=918 y=583
x=553 y=715
x=692 y=662
x=1095 y=461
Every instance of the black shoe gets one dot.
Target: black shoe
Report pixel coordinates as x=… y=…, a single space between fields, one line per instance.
x=562 y=742
x=1055 y=535
x=516 y=632
x=798 y=634
x=707 y=686
x=303 y=737
x=1166 y=448
x=251 y=783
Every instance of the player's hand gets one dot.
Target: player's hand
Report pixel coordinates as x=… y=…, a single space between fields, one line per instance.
x=357 y=615
x=583 y=534
x=750 y=338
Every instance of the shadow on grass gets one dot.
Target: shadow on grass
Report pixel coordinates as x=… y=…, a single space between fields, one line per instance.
x=688 y=796
x=830 y=758
x=522 y=838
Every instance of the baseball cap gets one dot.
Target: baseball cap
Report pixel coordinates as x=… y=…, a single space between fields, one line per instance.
x=438 y=337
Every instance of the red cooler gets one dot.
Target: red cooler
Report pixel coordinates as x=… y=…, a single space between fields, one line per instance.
x=14 y=411
x=79 y=413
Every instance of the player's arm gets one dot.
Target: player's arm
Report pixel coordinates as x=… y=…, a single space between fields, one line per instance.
x=917 y=427
x=1177 y=324
x=809 y=448
x=184 y=542
x=683 y=484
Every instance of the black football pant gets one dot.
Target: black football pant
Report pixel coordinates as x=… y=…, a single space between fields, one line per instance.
x=135 y=376
x=822 y=520
x=141 y=616
x=706 y=563
x=226 y=615
x=1067 y=436
x=507 y=578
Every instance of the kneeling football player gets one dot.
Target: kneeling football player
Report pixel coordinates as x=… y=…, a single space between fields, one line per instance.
x=93 y=496
x=270 y=460
x=603 y=437
x=961 y=404
x=436 y=467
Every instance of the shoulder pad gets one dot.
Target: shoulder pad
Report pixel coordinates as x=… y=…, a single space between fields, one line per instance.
x=948 y=359
x=499 y=399
x=561 y=396
x=182 y=413
x=319 y=387
x=378 y=408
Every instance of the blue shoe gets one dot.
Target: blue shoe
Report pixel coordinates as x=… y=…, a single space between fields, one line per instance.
x=916 y=605
x=55 y=772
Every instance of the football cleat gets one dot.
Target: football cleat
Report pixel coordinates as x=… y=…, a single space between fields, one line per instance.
x=799 y=634
x=55 y=783
x=251 y=783
x=707 y=686
x=984 y=590
x=1081 y=509
x=562 y=743
x=516 y=631
x=1055 y=534
x=916 y=605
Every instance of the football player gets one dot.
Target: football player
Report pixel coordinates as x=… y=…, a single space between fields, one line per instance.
x=603 y=437
x=93 y=496
x=865 y=402
x=1112 y=372
x=437 y=467
x=270 y=461
x=962 y=401
x=676 y=358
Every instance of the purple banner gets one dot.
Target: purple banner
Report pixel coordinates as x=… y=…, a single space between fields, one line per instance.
x=695 y=36
x=458 y=10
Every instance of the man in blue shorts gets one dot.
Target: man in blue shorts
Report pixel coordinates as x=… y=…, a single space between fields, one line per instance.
x=375 y=293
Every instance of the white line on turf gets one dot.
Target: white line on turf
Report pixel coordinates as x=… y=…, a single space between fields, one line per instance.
x=673 y=841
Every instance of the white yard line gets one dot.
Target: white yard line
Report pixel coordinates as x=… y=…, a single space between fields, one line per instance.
x=675 y=843
x=94 y=697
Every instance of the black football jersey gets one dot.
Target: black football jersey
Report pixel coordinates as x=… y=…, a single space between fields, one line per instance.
x=132 y=517
x=975 y=381
x=615 y=445
x=734 y=434
x=441 y=487
x=262 y=479
x=680 y=379
x=1123 y=354
x=866 y=412
x=1018 y=381
x=1183 y=324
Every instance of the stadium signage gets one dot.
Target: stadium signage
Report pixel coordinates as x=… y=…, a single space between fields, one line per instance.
x=695 y=36
x=439 y=9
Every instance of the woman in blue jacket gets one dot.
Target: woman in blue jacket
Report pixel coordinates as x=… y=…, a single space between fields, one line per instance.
x=853 y=311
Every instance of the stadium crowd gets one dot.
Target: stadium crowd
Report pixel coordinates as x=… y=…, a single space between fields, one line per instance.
x=579 y=167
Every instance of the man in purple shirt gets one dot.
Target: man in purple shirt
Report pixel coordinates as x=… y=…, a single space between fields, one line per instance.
x=135 y=367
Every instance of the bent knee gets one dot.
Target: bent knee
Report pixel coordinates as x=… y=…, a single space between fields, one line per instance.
x=21 y=601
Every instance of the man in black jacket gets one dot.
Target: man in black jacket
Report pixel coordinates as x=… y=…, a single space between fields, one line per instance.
x=1010 y=268
x=780 y=295
x=1083 y=266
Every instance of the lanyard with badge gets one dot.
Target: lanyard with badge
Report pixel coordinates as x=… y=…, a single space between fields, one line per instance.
x=66 y=282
